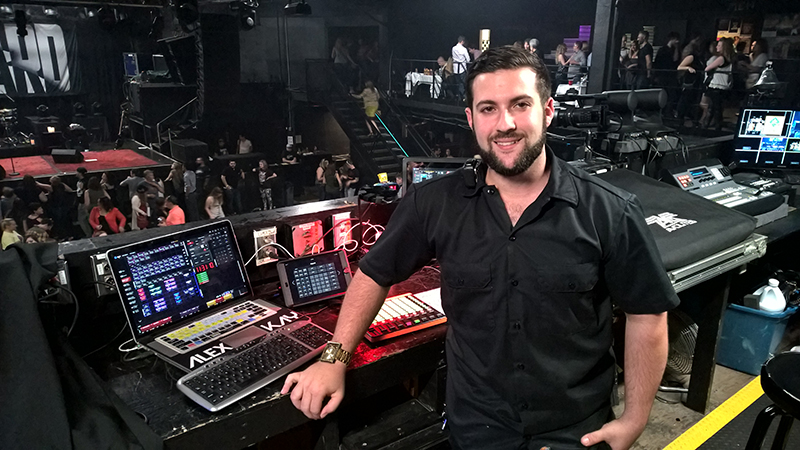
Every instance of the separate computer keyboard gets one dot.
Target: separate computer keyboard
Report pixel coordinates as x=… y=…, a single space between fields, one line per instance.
x=401 y=315
x=228 y=379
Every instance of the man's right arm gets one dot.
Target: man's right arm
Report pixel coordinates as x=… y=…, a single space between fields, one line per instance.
x=325 y=380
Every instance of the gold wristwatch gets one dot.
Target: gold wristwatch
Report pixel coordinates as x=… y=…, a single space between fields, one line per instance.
x=334 y=352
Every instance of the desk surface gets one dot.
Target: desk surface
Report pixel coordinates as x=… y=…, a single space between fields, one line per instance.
x=148 y=385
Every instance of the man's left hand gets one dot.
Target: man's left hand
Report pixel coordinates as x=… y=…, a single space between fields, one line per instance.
x=619 y=434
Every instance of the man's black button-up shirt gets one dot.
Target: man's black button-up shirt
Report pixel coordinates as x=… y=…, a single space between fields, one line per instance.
x=529 y=305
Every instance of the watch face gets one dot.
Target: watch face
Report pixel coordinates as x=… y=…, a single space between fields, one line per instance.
x=329 y=353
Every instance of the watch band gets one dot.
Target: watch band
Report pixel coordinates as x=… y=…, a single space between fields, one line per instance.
x=333 y=352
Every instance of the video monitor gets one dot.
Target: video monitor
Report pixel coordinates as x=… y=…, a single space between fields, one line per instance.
x=314 y=278
x=767 y=139
x=131 y=64
x=418 y=170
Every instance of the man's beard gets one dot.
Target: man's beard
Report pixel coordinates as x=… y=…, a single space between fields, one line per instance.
x=523 y=161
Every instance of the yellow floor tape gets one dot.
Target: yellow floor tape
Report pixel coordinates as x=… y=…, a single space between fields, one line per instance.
x=718 y=418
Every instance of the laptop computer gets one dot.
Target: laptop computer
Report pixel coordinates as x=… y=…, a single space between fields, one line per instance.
x=187 y=296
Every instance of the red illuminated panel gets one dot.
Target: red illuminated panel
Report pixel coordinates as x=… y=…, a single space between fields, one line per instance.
x=341 y=229
x=153 y=325
x=306 y=238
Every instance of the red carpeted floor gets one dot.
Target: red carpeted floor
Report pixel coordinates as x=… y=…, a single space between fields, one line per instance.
x=93 y=161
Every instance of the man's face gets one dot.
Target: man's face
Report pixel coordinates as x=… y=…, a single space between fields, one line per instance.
x=232 y=164
x=199 y=161
x=508 y=119
x=641 y=38
x=441 y=61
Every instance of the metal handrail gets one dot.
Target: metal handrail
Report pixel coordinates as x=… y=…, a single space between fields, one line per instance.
x=158 y=125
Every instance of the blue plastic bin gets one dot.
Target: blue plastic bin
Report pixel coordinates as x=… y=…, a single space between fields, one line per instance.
x=750 y=336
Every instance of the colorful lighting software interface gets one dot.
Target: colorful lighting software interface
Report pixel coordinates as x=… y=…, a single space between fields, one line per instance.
x=768 y=138
x=420 y=174
x=165 y=280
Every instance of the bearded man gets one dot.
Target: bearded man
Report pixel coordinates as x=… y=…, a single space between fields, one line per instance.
x=533 y=252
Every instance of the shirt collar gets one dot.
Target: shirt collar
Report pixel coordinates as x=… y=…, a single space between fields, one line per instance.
x=561 y=184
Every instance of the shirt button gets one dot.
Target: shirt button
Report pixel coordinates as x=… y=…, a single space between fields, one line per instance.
x=520 y=366
x=490 y=191
x=517 y=326
x=515 y=283
x=512 y=238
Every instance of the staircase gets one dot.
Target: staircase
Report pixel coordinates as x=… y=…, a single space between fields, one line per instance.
x=373 y=155
x=175 y=126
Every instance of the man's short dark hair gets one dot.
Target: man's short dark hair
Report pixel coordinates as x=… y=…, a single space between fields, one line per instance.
x=172 y=199
x=510 y=58
x=646 y=34
x=461 y=39
x=673 y=35
x=81 y=170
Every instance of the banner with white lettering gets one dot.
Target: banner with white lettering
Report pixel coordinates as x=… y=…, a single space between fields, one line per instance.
x=41 y=63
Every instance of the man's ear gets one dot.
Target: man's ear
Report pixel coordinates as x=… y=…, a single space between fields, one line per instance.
x=468 y=111
x=549 y=111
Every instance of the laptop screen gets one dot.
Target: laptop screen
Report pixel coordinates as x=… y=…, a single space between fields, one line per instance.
x=170 y=278
x=421 y=169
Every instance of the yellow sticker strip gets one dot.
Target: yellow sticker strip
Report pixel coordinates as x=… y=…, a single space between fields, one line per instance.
x=709 y=425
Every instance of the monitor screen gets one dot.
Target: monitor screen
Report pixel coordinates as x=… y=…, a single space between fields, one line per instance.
x=421 y=169
x=160 y=64
x=169 y=278
x=767 y=139
x=131 y=63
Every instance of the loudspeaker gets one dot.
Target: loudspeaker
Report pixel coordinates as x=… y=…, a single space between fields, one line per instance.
x=188 y=150
x=66 y=155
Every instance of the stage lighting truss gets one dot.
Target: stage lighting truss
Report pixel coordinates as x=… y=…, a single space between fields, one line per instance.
x=300 y=8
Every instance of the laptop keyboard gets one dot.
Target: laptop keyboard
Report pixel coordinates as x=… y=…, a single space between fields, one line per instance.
x=227 y=380
x=223 y=323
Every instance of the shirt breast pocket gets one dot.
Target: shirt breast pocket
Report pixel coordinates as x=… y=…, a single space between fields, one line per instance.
x=467 y=296
x=567 y=297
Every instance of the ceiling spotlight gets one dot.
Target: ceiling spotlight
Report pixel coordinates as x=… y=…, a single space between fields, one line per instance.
x=6 y=12
x=21 y=19
x=300 y=8
x=50 y=12
x=248 y=18
x=91 y=12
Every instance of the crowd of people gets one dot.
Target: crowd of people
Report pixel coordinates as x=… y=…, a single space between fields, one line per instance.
x=699 y=77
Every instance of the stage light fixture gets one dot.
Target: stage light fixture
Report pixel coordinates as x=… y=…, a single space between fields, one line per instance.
x=248 y=18
x=50 y=12
x=297 y=9
x=6 y=12
x=90 y=12
x=21 y=19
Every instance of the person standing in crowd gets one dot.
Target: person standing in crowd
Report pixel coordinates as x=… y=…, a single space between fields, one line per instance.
x=94 y=192
x=577 y=61
x=214 y=203
x=31 y=190
x=106 y=219
x=140 y=209
x=10 y=235
x=666 y=64
x=542 y=254
x=721 y=81
x=562 y=64
x=690 y=72
x=176 y=215
x=371 y=99
x=348 y=176
x=133 y=181
x=343 y=64
x=243 y=145
x=644 y=61
x=60 y=204
x=80 y=185
x=190 y=193
x=202 y=174
x=533 y=45
x=759 y=53
x=264 y=184
x=460 y=57
x=7 y=202
x=333 y=184
x=176 y=177
x=289 y=155
x=35 y=217
x=320 y=178
x=109 y=186
x=222 y=147
x=230 y=182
